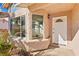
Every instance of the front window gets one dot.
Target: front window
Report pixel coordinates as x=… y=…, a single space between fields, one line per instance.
x=18 y=26
x=37 y=26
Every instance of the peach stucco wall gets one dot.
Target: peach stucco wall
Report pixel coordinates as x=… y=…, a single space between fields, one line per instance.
x=28 y=42
x=72 y=26
x=69 y=23
x=75 y=19
x=75 y=30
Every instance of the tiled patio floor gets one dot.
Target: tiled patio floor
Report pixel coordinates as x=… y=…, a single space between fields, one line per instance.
x=54 y=51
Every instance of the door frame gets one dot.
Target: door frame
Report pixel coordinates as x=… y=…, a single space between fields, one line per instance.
x=53 y=28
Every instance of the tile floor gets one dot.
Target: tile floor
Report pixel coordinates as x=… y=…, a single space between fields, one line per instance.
x=54 y=50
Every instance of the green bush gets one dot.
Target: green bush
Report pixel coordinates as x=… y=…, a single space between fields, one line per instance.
x=4 y=47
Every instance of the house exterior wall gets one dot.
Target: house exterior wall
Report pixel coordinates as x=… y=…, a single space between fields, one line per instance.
x=72 y=27
x=29 y=43
x=37 y=44
x=75 y=20
x=74 y=44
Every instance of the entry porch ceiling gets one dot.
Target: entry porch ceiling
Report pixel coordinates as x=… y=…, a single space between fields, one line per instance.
x=49 y=7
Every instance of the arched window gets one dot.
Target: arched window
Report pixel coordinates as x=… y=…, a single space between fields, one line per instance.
x=59 y=20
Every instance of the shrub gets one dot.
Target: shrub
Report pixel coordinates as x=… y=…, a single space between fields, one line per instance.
x=4 y=47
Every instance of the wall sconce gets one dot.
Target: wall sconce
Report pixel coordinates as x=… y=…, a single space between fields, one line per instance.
x=48 y=16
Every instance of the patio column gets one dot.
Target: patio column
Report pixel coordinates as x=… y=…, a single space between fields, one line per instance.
x=28 y=27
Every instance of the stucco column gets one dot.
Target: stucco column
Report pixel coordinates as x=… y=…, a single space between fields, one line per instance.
x=46 y=26
x=28 y=25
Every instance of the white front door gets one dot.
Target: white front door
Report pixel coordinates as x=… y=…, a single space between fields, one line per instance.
x=59 y=30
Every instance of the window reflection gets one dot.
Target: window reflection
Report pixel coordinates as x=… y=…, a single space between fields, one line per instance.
x=37 y=26
x=18 y=26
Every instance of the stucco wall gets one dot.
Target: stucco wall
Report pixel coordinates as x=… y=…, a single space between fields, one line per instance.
x=75 y=30
x=36 y=44
x=69 y=22
x=75 y=19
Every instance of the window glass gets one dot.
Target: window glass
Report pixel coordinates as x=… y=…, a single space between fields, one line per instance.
x=18 y=26
x=37 y=26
